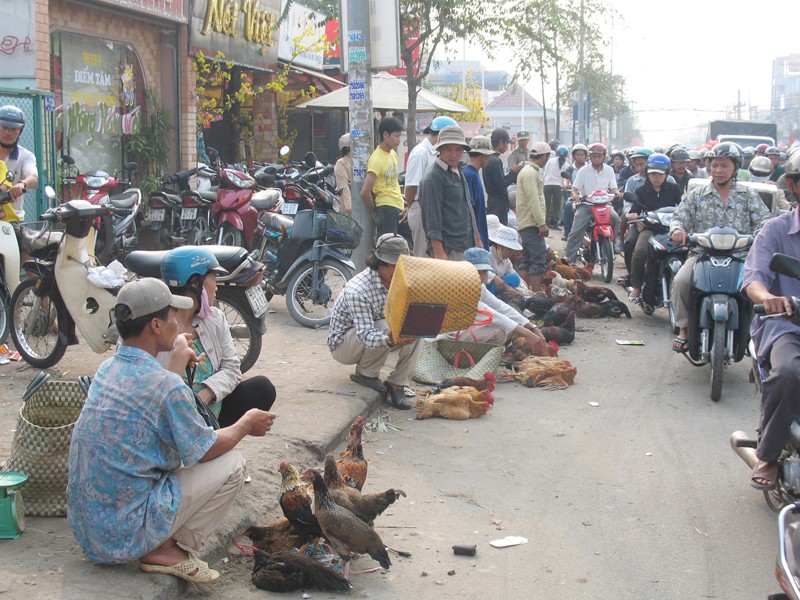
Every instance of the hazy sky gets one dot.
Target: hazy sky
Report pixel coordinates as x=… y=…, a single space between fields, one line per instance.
x=685 y=61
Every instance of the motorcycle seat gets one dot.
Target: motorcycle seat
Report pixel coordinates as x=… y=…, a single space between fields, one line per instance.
x=146 y=263
x=207 y=195
x=173 y=199
x=126 y=199
x=266 y=199
x=229 y=257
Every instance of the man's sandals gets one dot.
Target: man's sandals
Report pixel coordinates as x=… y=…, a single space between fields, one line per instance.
x=680 y=345
x=192 y=569
x=765 y=476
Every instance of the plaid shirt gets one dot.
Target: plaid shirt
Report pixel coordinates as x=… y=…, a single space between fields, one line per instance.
x=358 y=306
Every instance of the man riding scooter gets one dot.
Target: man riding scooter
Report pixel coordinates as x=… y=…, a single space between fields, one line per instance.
x=777 y=340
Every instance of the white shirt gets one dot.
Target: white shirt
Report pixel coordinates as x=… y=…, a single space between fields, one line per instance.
x=503 y=315
x=588 y=180
x=22 y=162
x=552 y=171
x=420 y=159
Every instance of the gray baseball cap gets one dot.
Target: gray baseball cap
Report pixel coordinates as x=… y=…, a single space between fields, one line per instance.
x=149 y=295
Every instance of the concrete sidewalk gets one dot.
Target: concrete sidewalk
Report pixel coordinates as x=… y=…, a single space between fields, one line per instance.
x=316 y=405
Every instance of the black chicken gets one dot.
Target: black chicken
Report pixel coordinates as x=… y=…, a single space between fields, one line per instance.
x=290 y=571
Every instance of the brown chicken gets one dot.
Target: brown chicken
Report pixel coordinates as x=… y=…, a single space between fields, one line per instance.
x=278 y=537
x=487 y=383
x=347 y=534
x=351 y=462
x=366 y=507
x=543 y=371
x=568 y=272
x=594 y=293
x=456 y=403
x=296 y=499
x=290 y=571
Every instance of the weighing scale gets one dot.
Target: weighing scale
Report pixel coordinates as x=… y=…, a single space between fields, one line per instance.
x=12 y=510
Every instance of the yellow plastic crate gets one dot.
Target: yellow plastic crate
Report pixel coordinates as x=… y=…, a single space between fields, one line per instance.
x=429 y=296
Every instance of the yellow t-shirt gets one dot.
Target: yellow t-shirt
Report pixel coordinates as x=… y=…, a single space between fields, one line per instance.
x=386 y=190
x=7 y=212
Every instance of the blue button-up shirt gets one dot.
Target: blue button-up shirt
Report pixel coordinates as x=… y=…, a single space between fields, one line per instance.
x=781 y=234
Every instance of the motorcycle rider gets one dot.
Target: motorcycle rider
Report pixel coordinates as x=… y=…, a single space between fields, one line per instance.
x=579 y=155
x=19 y=160
x=656 y=193
x=723 y=202
x=777 y=341
x=748 y=153
x=695 y=158
x=774 y=155
x=592 y=177
x=343 y=173
x=679 y=170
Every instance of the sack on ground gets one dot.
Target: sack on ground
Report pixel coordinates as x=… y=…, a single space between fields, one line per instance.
x=437 y=358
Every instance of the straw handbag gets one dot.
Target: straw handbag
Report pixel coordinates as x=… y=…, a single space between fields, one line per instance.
x=41 y=443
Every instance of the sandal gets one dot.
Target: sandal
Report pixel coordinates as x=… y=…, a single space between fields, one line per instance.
x=680 y=345
x=201 y=573
x=635 y=299
x=768 y=473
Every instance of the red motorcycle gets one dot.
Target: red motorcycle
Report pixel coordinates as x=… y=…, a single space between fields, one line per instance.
x=598 y=242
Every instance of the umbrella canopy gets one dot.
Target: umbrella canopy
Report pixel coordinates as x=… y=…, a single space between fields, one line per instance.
x=388 y=93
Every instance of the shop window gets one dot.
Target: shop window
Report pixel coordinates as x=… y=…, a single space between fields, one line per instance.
x=99 y=88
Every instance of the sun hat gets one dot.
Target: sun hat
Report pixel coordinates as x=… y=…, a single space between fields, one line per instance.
x=452 y=134
x=479 y=258
x=390 y=247
x=505 y=236
x=149 y=295
x=481 y=144
x=540 y=148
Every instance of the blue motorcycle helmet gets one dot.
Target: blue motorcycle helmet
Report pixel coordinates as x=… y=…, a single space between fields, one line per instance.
x=438 y=124
x=187 y=266
x=562 y=151
x=658 y=163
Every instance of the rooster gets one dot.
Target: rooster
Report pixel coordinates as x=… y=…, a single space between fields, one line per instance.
x=366 y=507
x=543 y=371
x=593 y=293
x=351 y=462
x=290 y=571
x=458 y=403
x=277 y=537
x=537 y=305
x=568 y=272
x=487 y=383
x=347 y=534
x=296 y=499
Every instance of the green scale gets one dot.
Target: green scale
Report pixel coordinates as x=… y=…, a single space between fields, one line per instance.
x=12 y=510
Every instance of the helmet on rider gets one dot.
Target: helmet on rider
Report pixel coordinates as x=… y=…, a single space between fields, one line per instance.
x=12 y=117
x=577 y=147
x=761 y=149
x=727 y=150
x=695 y=155
x=562 y=151
x=641 y=153
x=620 y=153
x=680 y=154
x=793 y=166
x=438 y=124
x=748 y=152
x=344 y=141
x=658 y=162
x=186 y=267
x=772 y=151
x=598 y=148
x=760 y=166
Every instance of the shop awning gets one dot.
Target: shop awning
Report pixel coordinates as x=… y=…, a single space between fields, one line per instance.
x=317 y=74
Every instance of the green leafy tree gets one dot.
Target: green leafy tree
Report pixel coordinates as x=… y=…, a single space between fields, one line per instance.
x=470 y=95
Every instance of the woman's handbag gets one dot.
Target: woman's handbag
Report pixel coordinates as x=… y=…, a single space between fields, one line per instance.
x=40 y=447
x=444 y=359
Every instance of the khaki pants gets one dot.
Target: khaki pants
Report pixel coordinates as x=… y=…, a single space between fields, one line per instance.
x=208 y=490
x=369 y=361
x=418 y=237
x=680 y=292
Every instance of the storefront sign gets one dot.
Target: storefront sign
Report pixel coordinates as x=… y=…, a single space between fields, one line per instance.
x=18 y=40
x=173 y=10
x=242 y=30
x=302 y=37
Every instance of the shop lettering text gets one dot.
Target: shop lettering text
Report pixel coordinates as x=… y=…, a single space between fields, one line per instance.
x=11 y=43
x=222 y=16
x=93 y=77
x=101 y=119
x=91 y=59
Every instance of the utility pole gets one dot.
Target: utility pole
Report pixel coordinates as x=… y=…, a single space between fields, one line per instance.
x=581 y=104
x=357 y=30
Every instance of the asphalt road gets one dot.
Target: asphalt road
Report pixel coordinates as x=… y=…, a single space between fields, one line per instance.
x=637 y=497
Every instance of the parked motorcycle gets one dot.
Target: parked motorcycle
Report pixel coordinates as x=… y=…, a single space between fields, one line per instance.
x=240 y=294
x=719 y=315
x=664 y=260
x=308 y=258
x=178 y=213
x=787 y=490
x=599 y=237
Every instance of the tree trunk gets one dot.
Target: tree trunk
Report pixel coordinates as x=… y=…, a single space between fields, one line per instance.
x=558 y=86
x=411 y=115
x=544 y=101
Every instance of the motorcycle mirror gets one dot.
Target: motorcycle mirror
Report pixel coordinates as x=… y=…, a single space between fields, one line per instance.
x=311 y=160
x=284 y=151
x=49 y=192
x=784 y=264
x=629 y=197
x=213 y=154
x=326 y=171
x=130 y=166
x=66 y=158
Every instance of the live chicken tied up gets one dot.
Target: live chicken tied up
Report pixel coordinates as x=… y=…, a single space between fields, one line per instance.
x=296 y=499
x=290 y=571
x=543 y=371
x=277 y=537
x=351 y=463
x=486 y=383
x=456 y=403
x=348 y=535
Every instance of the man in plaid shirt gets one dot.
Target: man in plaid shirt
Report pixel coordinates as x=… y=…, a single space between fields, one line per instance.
x=358 y=333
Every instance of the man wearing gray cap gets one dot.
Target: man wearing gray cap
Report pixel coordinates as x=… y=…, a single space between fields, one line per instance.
x=532 y=216
x=148 y=479
x=359 y=334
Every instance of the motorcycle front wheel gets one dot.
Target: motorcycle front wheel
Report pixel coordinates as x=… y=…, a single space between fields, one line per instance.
x=312 y=309
x=243 y=325
x=717 y=360
x=197 y=231
x=606 y=259
x=35 y=326
x=230 y=236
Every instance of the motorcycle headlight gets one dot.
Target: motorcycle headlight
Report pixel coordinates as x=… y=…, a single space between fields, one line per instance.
x=743 y=242
x=95 y=182
x=239 y=181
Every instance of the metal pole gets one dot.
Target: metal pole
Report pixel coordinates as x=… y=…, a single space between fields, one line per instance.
x=357 y=30
x=581 y=121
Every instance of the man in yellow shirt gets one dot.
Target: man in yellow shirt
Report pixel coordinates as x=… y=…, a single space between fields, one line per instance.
x=380 y=192
x=532 y=216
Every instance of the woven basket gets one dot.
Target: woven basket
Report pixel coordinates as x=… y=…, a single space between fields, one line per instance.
x=41 y=444
x=437 y=360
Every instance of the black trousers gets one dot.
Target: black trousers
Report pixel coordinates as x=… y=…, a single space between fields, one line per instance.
x=499 y=208
x=780 y=402
x=256 y=392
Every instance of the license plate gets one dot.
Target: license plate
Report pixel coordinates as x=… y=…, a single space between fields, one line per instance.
x=188 y=214
x=257 y=299
x=157 y=214
x=289 y=208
